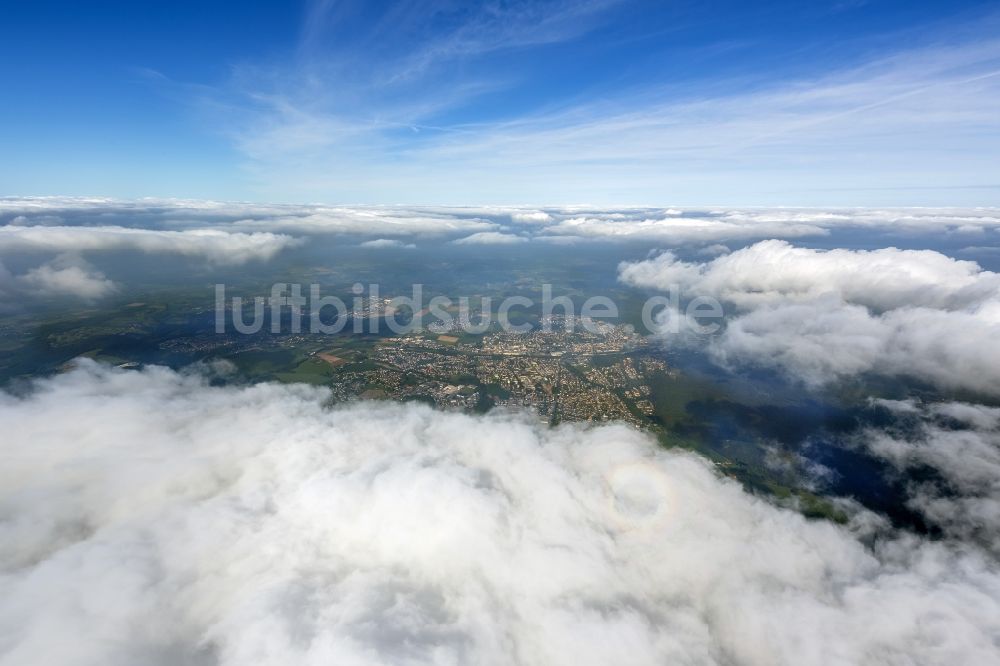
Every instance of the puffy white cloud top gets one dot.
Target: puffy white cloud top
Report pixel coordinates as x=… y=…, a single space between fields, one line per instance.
x=774 y=271
x=822 y=315
x=147 y=517
x=67 y=275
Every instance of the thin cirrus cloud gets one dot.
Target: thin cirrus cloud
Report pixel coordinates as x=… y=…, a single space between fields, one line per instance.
x=418 y=38
x=195 y=522
x=822 y=316
x=920 y=122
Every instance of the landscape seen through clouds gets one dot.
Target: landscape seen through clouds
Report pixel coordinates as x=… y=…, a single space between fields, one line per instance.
x=726 y=393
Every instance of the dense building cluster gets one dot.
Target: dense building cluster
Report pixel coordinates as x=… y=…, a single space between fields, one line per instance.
x=564 y=371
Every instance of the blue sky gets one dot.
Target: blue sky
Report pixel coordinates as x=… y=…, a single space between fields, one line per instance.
x=602 y=101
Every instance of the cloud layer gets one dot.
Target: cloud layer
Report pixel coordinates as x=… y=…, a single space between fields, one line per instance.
x=823 y=315
x=27 y=219
x=216 y=246
x=149 y=517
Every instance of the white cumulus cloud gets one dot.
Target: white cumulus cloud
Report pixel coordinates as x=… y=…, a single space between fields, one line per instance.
x=67 y=275
x=822 y=315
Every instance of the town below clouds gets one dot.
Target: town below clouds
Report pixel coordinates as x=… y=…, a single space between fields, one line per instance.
x=188 y=514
